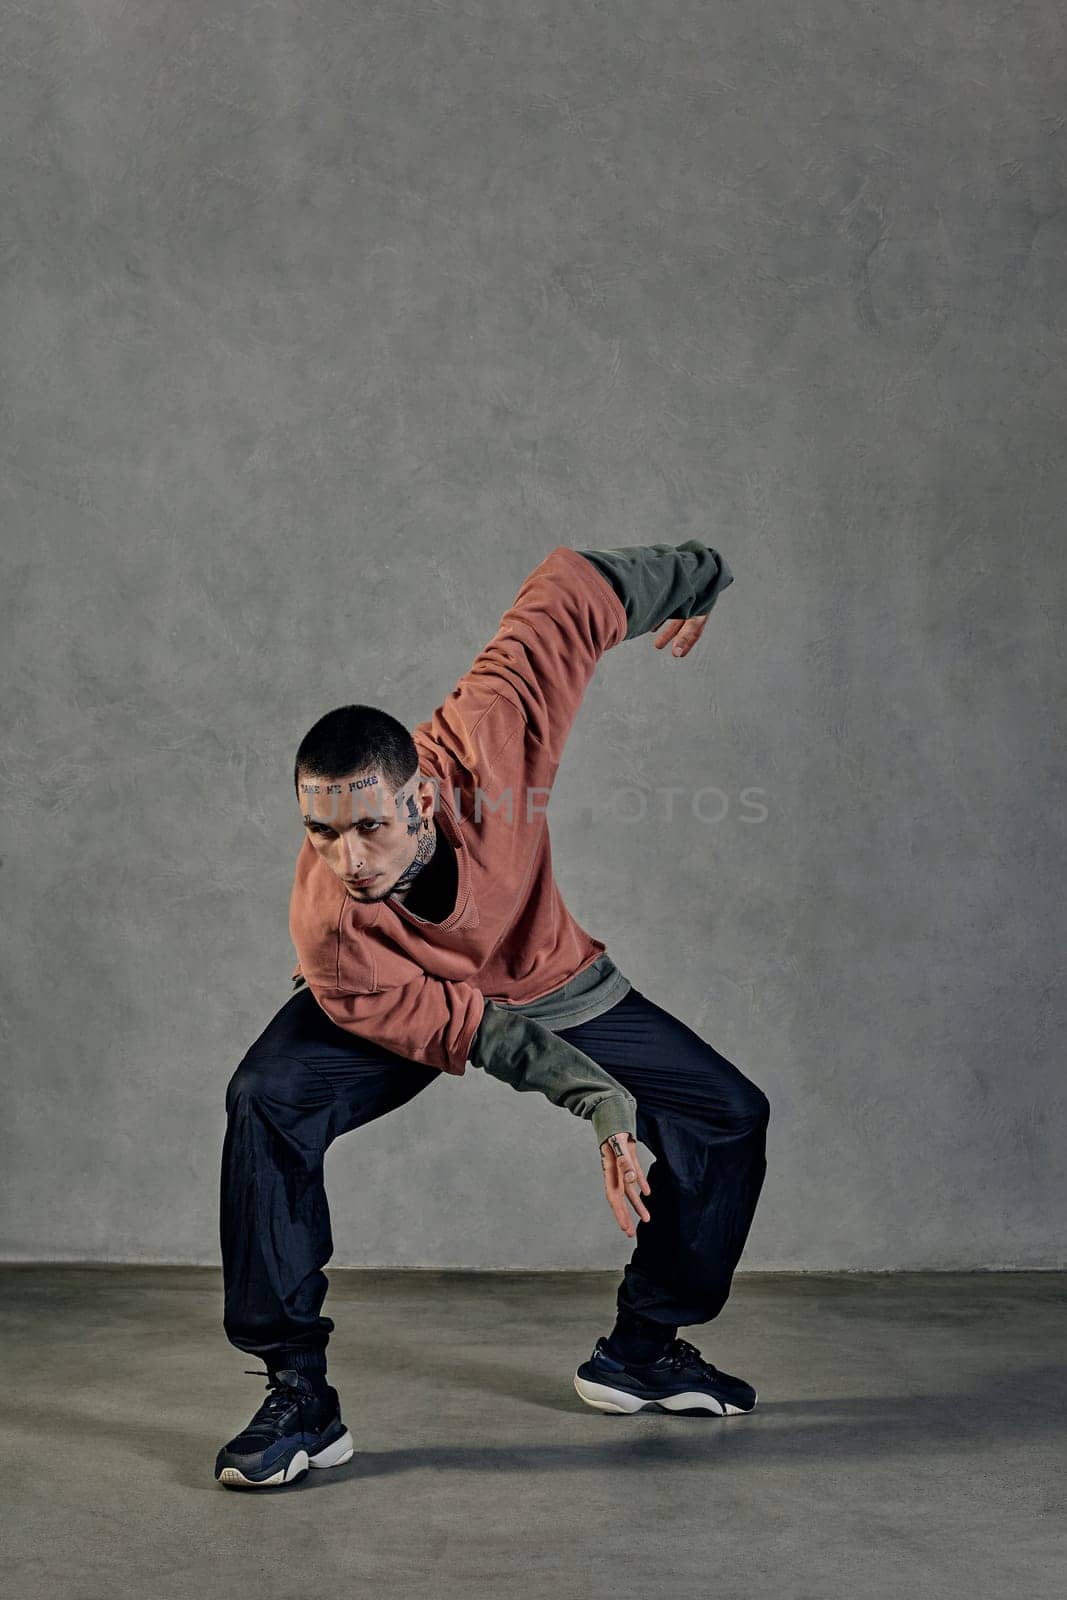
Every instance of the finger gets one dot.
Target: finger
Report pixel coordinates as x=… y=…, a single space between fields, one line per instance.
x=631 y=1180
x=633 y=1184
x=642 y=1182
x=622 y=1216
x=616 y=1198
x=624 y=1179
x=621 y=1150
x=688 y=634
x=668 y=633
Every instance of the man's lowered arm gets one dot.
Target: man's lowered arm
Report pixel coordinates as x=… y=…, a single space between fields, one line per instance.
x=446 y=1023
x=525 y=1054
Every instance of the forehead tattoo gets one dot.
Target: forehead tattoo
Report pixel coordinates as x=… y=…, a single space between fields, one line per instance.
x=339 y=788
x=402 y=802
x=350 y=786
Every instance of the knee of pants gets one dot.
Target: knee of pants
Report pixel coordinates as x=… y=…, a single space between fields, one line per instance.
x=753 y=1110
x=254 y=1078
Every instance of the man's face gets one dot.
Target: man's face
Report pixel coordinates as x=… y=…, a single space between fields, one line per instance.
x=364 y=829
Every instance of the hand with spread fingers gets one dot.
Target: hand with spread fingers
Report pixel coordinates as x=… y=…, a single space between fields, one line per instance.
x=684 y=631
x=624 y=1180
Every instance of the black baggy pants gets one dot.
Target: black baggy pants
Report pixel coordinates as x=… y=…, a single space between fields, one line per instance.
x=306 y=1080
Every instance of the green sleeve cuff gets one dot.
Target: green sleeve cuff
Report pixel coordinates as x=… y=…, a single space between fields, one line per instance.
x=658 y=582
x=614 y=1114
x=530 y=1057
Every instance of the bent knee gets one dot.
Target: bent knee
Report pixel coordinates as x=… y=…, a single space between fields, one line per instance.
x=256 y=1076
x=753 y=1110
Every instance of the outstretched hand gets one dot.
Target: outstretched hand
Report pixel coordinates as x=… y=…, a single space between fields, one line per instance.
x=684 y=631
x=623 y=1180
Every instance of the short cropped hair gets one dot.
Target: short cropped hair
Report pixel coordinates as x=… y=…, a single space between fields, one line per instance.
x=353 y=739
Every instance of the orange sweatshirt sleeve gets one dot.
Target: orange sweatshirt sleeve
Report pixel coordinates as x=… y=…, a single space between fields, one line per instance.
x=430 y=1020
x=539 y=661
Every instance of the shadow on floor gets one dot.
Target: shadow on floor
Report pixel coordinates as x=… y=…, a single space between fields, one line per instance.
x=1011 y=1406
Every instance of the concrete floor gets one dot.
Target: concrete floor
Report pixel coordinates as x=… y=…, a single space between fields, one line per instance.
x=909 y=1441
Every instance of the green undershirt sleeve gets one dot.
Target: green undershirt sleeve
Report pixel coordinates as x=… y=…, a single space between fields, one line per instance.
x=529 y=1057
x=658 y=582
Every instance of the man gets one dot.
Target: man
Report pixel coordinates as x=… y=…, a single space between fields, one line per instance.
x=431 y=935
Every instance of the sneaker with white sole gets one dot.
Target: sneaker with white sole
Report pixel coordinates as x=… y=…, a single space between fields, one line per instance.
x=295 y=1428
x=680 y=1380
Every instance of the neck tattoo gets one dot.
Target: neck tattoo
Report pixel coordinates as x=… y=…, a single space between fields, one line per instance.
x=425 y=849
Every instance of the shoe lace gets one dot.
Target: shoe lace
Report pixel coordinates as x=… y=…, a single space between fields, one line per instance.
x=280 y=1397
x=684 y=1355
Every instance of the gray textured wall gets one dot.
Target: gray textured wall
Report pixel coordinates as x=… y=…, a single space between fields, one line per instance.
x=323 y=323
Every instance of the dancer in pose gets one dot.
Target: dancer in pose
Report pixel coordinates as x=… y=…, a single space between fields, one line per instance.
x=431 y=935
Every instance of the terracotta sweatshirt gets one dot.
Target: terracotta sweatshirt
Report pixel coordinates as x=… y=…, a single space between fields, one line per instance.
x=486 y=984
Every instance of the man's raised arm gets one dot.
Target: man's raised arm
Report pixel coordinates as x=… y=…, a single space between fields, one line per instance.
x=534 y=671
x=574 y=606
x=659 y=582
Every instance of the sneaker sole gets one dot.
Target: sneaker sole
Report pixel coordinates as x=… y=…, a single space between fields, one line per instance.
x=691 y=1403
x=334 y=1455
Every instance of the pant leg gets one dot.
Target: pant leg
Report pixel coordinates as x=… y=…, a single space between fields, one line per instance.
x=706 y=1124
x=302 y=1083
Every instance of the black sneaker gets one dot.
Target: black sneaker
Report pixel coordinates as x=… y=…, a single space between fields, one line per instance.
x=681 y=1380
x=295 y=1428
